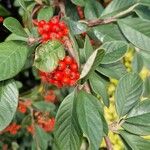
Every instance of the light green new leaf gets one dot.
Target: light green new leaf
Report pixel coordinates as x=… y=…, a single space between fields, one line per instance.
x=93 y=9
x=89 y=118
x=114 y=70
x=45 y=13
x=134 y=142
x=136 y=30
x=116 y=6
x=128 y=93
x=48 y=55
x=114 y=51
x=99 y=87
x=92 y=63
x=13 y=56
x=14 y=26
x=8 y=102
x=67 y=131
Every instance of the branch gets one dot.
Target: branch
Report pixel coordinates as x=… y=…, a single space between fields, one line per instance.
x=108 y=143
x=96 y=22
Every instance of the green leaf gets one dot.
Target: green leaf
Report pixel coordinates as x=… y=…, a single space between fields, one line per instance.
x=14 y=26
x=108 y=32
x=89 y=118
x=76 y=27
x=8 y=102
x=116 y=6
x=143 y=2
x=114 y=70
x=44 y=106
x=138 y=35
x=136 y=129
x=3 y=11
x=137 y=63
x=22 y=4
x=87 y=50
x=146 y=92
x=114 y=51
x=135 y=142
x=92 y=63
x=140 y=114
x=45 y=13
x=143 y=12
x=145 y=56
x=79 y=2
x=67 y=131
x=93 y=9
x=13 y=56
x=128 y=92
x=47 y=56
x=99 y=87
x=14 y=37
x=40 y=134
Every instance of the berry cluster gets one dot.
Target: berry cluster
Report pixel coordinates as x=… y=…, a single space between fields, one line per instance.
x=50 y=96
x=12 y=128
x=66 y=74
x=45 y=122
x=54 y=29
x=23 y=106
x=30 y=129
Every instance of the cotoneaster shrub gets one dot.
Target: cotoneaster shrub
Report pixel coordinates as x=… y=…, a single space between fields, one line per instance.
x=74 y=74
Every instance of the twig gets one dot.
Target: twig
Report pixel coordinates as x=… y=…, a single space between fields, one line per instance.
x=96 y=22
x=108 y=143
x=39 y=2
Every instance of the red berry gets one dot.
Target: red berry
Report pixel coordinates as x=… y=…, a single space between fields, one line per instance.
x=55 y=20
x=40 y=30
x=77 y=75
x=65 y=80
x=65 y=31
x=72 y=82
x=46 y=27
x=45 y=36
x=58 y=75
x=60 y=34
x=68 y=60
x=74 y=67
x=53 y=35
x=55 y=28
x=41 y=23
x=67 y=72
x=73 y=75
x=62 y=25
x=62 y=65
